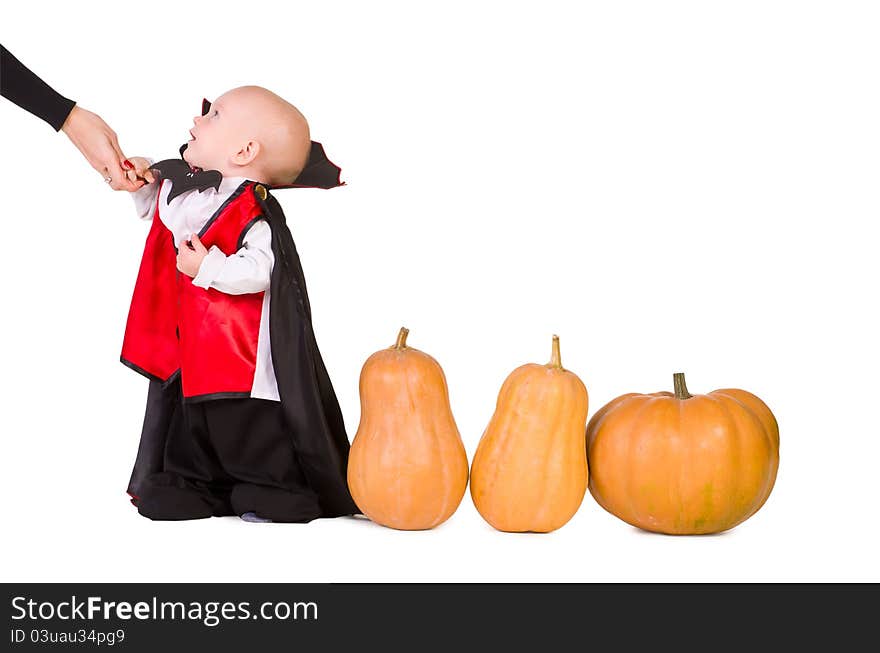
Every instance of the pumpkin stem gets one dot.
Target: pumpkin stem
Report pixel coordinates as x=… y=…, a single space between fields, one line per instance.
x=401 y=338
x=681 y=390
x=555 y=358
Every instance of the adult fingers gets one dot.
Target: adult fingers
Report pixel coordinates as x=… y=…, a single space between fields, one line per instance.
x=119 y=179
x=113 y=142
x=124 y=183
x=144 y=172
x=113 y=161
x=134 y=178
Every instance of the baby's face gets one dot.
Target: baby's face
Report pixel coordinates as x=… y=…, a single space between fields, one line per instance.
x=219 y=134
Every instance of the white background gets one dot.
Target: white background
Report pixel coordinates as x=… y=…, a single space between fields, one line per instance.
x=678 y=186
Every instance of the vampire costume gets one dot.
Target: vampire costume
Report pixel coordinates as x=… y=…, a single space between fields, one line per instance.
x=211 y=444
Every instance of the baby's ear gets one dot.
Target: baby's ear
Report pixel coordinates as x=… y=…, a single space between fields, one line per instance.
x=247 y=154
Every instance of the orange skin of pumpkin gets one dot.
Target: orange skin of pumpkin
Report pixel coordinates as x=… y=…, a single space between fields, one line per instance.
x=407 y=468
x=683 y=466
x=530 y=469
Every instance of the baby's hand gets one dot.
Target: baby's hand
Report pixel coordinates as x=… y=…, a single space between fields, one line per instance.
x=138 y=170
x=190 y=255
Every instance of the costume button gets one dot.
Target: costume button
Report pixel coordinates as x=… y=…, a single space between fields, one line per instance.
x=260 y=191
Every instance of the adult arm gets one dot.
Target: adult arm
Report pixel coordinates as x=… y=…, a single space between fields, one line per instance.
x=86 y=130
x=19 y=85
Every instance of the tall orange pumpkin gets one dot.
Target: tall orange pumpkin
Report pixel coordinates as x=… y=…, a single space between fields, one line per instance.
x=683 y=464
x=530 y=469
x=407 y=468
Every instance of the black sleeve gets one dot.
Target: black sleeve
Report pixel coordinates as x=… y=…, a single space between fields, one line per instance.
x=31 y=93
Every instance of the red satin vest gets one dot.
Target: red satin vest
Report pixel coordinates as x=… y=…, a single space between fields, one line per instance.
x=210 y=336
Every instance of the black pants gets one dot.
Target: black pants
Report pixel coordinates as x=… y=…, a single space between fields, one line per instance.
x=218 y=457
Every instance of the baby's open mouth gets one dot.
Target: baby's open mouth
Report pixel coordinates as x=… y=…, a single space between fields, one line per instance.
x=191 y=137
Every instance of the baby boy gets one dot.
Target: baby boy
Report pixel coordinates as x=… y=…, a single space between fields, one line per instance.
x=241 y=417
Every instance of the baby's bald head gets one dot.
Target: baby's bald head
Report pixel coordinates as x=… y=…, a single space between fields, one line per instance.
x=251 y=132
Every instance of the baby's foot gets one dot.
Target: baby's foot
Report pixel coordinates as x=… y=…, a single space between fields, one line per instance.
x=253 y=517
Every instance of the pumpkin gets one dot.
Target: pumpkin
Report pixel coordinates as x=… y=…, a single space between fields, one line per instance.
x=530 y=469
x=683 y=464
x=407 y=468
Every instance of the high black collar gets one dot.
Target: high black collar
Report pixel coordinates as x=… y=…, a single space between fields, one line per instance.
x=319 y=172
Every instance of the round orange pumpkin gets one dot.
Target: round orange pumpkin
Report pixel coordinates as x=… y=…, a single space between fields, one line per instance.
x=407 y=468
x=530 y=469
x=683 y=464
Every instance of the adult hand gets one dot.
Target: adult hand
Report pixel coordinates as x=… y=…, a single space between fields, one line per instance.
x=97 y=142
x=139 y=170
